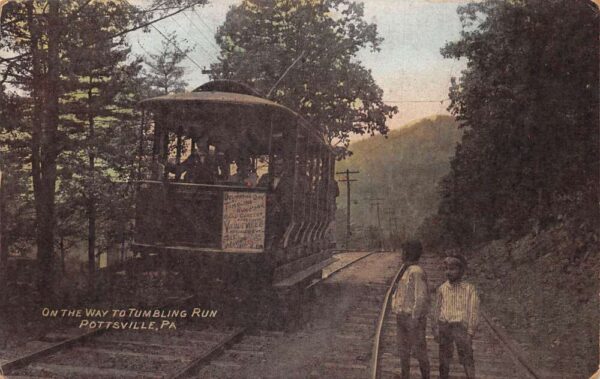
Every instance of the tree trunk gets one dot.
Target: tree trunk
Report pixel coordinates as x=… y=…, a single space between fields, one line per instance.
x=49 y=144
x=122 y=246
x=91 y=195
x=45 y=94
x=36 y=131
x=3 y=244
x=62 y=255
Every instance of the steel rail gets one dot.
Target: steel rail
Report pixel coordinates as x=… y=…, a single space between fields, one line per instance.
x=380 y=322
x=209 y=355
x=517 y=355
x=513 y=350
x=27 y=359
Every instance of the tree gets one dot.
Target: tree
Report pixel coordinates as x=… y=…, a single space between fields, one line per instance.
x=166 y=73
x=100 y=98
x=40 y=63
x=16 y=213
x=303 y=54
x=528 y=102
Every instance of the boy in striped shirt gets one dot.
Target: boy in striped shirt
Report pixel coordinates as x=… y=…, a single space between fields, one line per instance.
x=455 y=317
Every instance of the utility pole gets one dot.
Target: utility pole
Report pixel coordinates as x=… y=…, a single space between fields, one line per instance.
x=395 y=218
x=347 y=180
x=376 y=201
x=391 y=213
x=394 y=233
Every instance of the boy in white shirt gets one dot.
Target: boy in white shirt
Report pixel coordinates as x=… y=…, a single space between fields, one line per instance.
x=411 y=304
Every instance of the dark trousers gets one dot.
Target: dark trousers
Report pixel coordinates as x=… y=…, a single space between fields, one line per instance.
x=411 y=341
x=451 y=334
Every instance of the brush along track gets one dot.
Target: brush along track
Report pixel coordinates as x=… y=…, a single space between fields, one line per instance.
x=495 y=356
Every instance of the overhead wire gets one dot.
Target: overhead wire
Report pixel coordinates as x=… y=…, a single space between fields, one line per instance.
x=196 y=41
x=206 y=26
x=151 y=22
x=212 y=44
x=143 y=48
x=169 y=40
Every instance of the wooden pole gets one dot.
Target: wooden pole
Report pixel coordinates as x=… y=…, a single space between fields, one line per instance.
x=348 y=180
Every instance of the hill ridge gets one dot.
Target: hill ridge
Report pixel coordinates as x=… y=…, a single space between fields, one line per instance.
x=403 y=169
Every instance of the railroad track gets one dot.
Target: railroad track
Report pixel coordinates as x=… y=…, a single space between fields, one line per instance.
x=495 y=356
x=103 y=353
x=129 y=355
x=352 y=346
x=254 y=346
x=210 y=352
x=234 y=361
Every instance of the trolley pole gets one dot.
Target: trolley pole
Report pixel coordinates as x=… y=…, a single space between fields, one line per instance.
x=348 y=180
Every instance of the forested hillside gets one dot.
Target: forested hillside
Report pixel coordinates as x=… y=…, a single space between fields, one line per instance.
x=521 y=199
x=403 y=170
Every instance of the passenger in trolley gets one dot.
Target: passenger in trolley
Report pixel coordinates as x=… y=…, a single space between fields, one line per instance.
x=277 y=175
x=199 y=168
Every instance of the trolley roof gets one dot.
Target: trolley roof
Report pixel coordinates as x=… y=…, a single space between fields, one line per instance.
x=216 y=97
x=216 y=101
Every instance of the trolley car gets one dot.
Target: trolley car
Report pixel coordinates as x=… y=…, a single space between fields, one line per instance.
x=235 y=187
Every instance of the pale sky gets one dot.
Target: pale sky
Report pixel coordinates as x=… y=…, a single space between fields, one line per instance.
x=409 y=67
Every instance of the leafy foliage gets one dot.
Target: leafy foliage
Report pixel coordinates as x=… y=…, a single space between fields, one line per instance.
x=99 y=112
x=521 y=198
x=18 y=219
x=528 y=102
x=261 y=39
x=70 y=140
